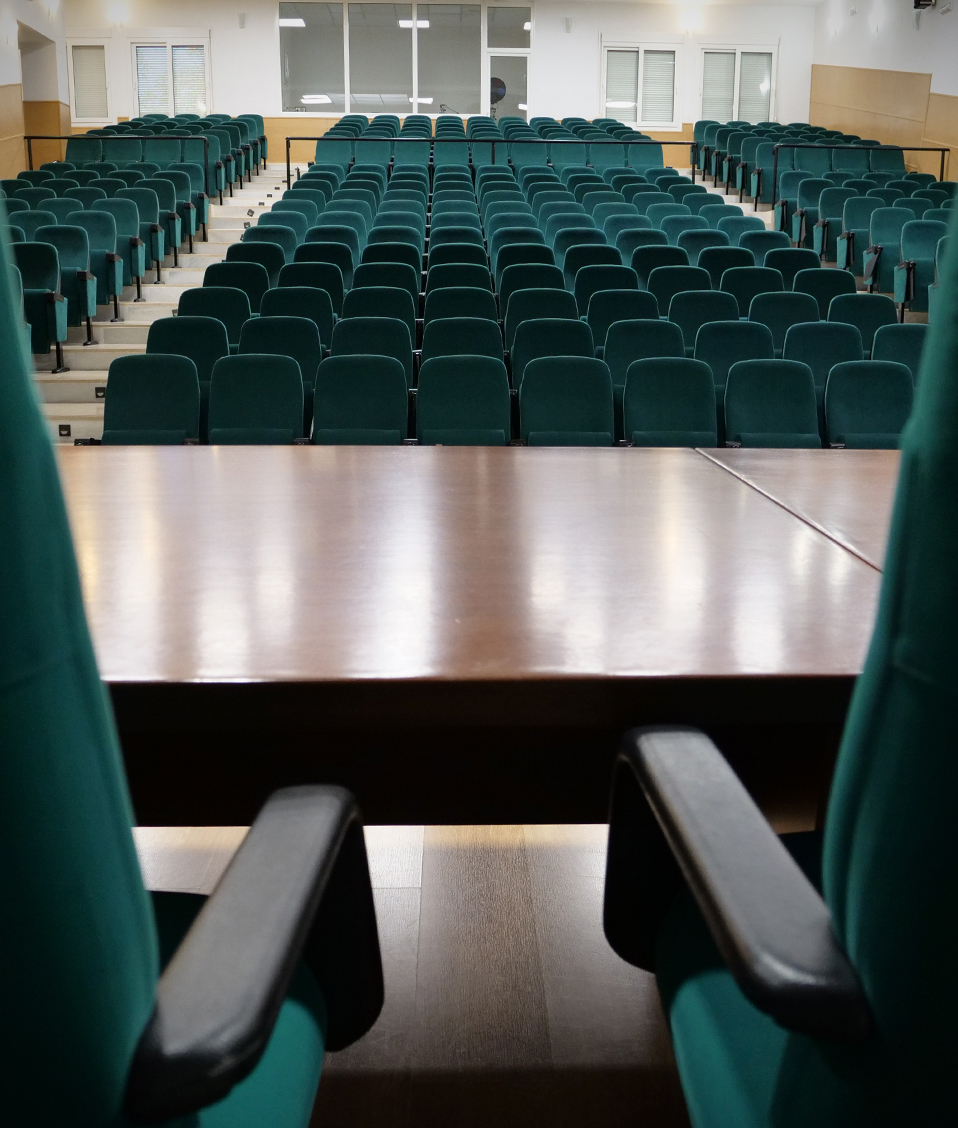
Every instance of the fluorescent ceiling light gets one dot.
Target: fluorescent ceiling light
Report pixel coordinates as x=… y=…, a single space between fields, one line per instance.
x=292 y=23
x=619 y=105
x=527 y=26
x=408 y=23
x=316 y=100
x=423 y=101
x=521 y=106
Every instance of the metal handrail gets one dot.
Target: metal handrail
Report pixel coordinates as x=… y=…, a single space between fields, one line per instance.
x=486 y=141
x=129 y=137
x=860 y=148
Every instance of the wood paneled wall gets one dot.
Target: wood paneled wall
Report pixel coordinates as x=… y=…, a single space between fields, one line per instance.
x=50 y=118
x=895 y=107
x=11 y=129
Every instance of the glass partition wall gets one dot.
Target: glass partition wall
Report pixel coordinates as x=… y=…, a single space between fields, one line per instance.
x=403 y=58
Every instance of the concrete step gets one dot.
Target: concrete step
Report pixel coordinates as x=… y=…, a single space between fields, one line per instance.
x=72 y=387
x=71 y=421
x=130 y=331
x=135 y=313
x=88 y=358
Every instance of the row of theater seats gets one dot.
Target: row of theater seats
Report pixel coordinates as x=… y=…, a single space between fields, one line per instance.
x=535 y=318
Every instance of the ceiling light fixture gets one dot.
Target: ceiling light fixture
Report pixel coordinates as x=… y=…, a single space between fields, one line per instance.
x=527 y=26
x=292 y=23
x=408 y=23
x=316 y=100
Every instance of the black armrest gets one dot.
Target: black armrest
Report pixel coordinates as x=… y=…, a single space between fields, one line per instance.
x=870 y=263
x=910 y=266
x=678 y=808
x=297 y=887
x=156 y=228
x=85 y=276
x=54 y=296
x=112 y=256
x=136 y=241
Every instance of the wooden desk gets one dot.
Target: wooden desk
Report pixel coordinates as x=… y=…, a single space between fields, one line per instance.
x=458 y=633
x=852 y=506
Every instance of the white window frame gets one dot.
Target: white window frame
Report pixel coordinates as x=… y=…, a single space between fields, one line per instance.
x=169 y=42
x=607 y=45
x=485 y=70
x=89 y=41
x=738 y=49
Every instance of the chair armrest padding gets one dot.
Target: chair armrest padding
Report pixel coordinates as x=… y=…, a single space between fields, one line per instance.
x=298 y=887
x=770 y=925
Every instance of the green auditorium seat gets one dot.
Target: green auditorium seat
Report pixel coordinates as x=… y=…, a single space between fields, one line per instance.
x=824 y=284
x=695 y=240
x=86 y=197
x=132 y=1035
x=460 y=301
x=184 y=206
x=105 y=263
x=110 y=186
x=590 y=279
x=388 y=251
x=463 y=401
x=395 y=274
x=720 y=344
x=16 y=234
x=337 y=254
x=151 y=399
x=309 y=302
x=169 y=217
x=525 y=276
x=761 y=242
x=614 y=209
x=916 y=271
x=285 y=335
x=77 y=283
x=675 y=226
x=745 y=282
x=664 y=282
x=202 y=339
x=630 y=239
x=548 y=337
x=60 y=189
x=887 y=196
x=35 y=177
x=735 y=226
x=380 y=336
x=715 y=213
x=441 y=253
x=28 y=221
x=256 y=399
x=360 y=399
x=789 y=261
x=343 y=227
x=44 y=307
x=536 y=305
x=445 y=275
x=771 y=403
x=716 y=260
x=644 y=200
x=382 y=301
x=295 y=220
x=883 y=253
x=831 y=209
x=325 y=276
x=821 y=345
x=227 y=304
x=608 y=306
x=35 y=198
x=647 y=258
x=514 y=253
x=669 y=401
x=691 y=309
x=566 y=400
x=866 y=312
x=269 y=255
x=657 y=214
x=614 y=225
x=902 y=344
x=461 y=336
x=16 y=207
x=250 y=277
x=780 y=311
x=867 y=403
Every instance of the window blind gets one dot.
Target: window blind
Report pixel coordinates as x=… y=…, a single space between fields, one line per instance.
x=658 y=87
x=622 y=85
x=189 y=79
x=718 y=85
x=89 y=83
x=152 y=79
x=754 y=86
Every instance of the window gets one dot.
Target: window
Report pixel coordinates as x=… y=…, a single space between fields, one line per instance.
x=313 y=57
x=88 y=72
x=170 y=78
x=449 y=38
x=380 y=58
x=401 y=58
x=737 y=84
x=640 y=86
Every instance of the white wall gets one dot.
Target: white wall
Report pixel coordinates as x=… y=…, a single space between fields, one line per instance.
x=882 y=35
x=565 y=66
x=46 y=74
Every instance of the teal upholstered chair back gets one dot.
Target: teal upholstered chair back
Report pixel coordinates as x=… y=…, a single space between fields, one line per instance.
x=77 y=947
x=891 y=842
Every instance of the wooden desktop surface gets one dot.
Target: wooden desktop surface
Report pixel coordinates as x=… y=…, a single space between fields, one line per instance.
x=402 y=602
x=848 y=498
